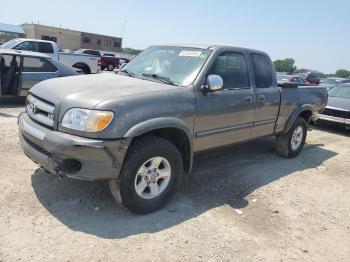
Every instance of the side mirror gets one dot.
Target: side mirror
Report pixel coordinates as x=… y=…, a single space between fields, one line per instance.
x=214 y=83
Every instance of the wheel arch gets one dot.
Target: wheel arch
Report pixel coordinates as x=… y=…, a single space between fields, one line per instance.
x=83 y=66
x=304 y=111
x=172 y=129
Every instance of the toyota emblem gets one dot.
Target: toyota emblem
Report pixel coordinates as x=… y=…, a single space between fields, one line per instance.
x=33 y=108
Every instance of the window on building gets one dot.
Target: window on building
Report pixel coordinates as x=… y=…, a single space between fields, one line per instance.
x=33 y=64
x=232 y=67
x=262 y=71
x=86 y=40
x=98 y=41
x=107 y=42
x=116 y=44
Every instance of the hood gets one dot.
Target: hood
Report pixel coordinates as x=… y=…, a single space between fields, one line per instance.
x=339 y=103
x=89 y=90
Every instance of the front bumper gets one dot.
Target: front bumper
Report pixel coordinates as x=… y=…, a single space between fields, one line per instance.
x=64 y=154
x=338 y=120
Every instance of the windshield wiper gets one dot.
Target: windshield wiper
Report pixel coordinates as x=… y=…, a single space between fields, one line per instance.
x=164 y=79
x=131 y=74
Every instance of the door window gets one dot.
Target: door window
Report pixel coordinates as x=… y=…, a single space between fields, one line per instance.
x=262 y=71
x=301 y=81
x=27 y=46
x=232 y=67
x=33 y=64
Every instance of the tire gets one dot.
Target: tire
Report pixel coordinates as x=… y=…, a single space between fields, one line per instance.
x=142 y=151
x=110 y=67
x=286 y=145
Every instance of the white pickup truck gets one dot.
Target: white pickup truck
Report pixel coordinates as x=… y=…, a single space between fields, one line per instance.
x=87 y=63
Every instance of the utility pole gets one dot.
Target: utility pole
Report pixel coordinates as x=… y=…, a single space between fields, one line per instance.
x=123 y=28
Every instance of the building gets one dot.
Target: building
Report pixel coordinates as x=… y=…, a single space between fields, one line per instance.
x=65 y=38
x=8 y=32
x=72 y=39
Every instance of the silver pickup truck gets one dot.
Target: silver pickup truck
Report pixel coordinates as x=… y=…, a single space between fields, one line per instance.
x=141 y=127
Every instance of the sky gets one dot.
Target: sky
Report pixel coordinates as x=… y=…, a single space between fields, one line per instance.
x=315 y=33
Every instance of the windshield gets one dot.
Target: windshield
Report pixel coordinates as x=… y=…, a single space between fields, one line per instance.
x=179 y=65
x=340 y=91
x=10 y=44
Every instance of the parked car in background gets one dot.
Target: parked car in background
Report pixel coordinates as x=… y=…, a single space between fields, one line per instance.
x=110 y=62
x=338 y=107
x=89 y=52
x=312 y=78
x=331 y=82
x=291 y=79
x=87 y=63
x=140 y=128
x=21 y=70
x=107 y=61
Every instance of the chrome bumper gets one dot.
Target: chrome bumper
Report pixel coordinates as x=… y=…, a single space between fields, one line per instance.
x=333 y=119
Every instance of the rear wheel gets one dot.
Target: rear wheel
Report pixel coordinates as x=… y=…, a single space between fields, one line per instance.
x=290 y=144
x=151 y=173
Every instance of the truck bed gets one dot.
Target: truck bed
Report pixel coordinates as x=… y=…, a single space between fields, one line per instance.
x=311 y=97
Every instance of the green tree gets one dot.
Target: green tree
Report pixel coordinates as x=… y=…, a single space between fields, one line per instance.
x=285 y=65
x=342 y=73
x=130 y=51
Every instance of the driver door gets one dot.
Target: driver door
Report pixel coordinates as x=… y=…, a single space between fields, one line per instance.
x=227 y=115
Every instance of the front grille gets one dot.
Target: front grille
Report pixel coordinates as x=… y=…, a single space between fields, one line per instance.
x=336 y=113
x=40 y=111
x=37 y=147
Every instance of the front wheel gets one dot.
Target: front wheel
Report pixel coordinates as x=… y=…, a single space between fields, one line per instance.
x=152 y=172
x=290 y=144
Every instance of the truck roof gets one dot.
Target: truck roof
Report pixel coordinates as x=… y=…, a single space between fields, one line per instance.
x=211 y=46
x=36 y=40
x=23 y=53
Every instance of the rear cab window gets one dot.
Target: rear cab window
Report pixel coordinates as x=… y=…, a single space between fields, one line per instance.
x=45 y=48
x=262 y=71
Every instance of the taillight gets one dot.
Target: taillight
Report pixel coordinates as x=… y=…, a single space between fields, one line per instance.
x=99 y=62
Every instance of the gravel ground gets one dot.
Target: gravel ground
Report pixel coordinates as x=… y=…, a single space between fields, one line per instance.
x=243 y=203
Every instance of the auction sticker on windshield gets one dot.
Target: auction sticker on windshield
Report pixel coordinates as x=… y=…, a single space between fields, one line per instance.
x=190 y=53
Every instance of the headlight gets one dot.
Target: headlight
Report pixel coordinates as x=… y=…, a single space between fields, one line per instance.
x=87 y=120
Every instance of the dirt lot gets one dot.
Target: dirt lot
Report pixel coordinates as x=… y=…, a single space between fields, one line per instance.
x=241 y=204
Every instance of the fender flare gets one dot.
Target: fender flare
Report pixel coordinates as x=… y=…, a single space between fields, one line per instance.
x=159 y=123
x=82 y=65
x=294 y=116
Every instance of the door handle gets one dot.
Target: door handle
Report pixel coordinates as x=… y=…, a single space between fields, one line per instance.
x=261 y=98
x=248 y=99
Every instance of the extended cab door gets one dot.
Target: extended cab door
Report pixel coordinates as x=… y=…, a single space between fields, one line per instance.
x=227 y=115
x=36 y=69
x=267 y=95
